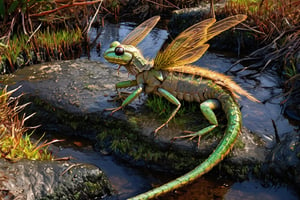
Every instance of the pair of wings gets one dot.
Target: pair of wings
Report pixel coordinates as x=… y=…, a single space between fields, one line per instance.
x=189 y=45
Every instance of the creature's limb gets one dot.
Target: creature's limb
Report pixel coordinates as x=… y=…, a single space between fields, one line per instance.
x=173 y=100
x=129 y=99
x=124 y=84
x=207 y=108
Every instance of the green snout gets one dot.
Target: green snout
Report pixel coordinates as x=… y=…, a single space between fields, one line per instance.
x=118 y=58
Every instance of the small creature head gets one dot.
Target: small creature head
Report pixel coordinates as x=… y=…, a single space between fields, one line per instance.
x=125 y=55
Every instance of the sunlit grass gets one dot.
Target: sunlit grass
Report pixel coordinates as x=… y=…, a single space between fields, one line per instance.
x=53 y=45
x=60 y=40
x=270 y=17
x=15 y=141
x=13 y=50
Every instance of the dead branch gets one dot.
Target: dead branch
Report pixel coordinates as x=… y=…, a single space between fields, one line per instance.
x=64 y=6
x=89 y=26
x=273 y=52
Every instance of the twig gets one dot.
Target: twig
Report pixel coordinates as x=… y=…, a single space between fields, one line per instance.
x=261 y=54
x=89 y=27
x=34 y=33
x=11 y=29
x=64 y=6
x=23 y=23
x=162 y=5
x=106 y=10
x=64 y=158
x=278 y=31
x=74 y=165
x=276 y=132
x=172 y=4
x=252 y=29
x=293 y=78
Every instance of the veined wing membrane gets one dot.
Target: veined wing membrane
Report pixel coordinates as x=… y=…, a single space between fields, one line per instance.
x=182 y=44
x=190 y=45
x=141 y=31
x=190 y=55
x=224 y=25
x=188 y=37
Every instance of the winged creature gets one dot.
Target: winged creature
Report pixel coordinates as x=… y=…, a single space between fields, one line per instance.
x=172 y=76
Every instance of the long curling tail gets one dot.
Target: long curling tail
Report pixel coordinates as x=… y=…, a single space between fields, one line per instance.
x=234 y=119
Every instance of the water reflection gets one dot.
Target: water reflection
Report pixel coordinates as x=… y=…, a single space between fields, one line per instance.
x=246 y=189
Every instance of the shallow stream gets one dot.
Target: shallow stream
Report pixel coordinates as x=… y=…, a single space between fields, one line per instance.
x=129 y=181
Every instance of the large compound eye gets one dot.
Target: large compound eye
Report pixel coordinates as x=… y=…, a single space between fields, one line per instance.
x=119 y=50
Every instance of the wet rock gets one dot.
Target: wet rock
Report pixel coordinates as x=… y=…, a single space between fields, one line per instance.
x=69 y=97
x=184 y=18
x=292 y=107
x=292 y=110
x=32 y=180
x=284 y=160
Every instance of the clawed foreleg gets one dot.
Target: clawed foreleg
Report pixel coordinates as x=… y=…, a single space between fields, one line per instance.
x=171 y=99
x=206 y=108
x=128 y=100
x=198 y=134
x=113 y=110
x=123 y=84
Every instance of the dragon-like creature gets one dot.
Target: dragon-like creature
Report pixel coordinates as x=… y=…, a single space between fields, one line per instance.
x=171 y=76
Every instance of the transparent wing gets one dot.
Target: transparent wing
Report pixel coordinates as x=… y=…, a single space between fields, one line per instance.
x=190 y=45
x=224 y=25
x=141 y=31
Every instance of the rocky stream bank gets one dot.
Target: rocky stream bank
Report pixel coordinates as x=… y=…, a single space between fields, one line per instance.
x=69 y=98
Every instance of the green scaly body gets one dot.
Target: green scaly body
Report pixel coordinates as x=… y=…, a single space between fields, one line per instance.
x=195 y=88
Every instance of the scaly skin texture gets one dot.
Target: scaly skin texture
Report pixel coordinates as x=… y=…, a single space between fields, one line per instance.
x=201 y=89
x=170 y=76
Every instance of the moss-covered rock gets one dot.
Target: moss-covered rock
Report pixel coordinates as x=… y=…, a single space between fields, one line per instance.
x=70 y=97
x=32 y=180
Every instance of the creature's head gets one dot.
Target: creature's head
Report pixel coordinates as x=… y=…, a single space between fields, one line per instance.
x=125 y=55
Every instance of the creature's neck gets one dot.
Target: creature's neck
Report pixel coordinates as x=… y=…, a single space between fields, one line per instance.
x=138 y=64
x=139 y=61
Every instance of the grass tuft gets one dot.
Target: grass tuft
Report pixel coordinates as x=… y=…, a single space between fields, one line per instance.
x=15 y=142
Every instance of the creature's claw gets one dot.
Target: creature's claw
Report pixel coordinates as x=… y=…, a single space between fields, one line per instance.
x=113 y=110
x=191 y=136
x=119 y=69
x=200 y=133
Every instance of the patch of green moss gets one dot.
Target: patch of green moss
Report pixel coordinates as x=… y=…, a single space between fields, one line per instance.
x=130 y=144
x=123 y=138
x=126 y=140
x=92 y=188
x=131 y=147
x=257 y=170
x=239 y=144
